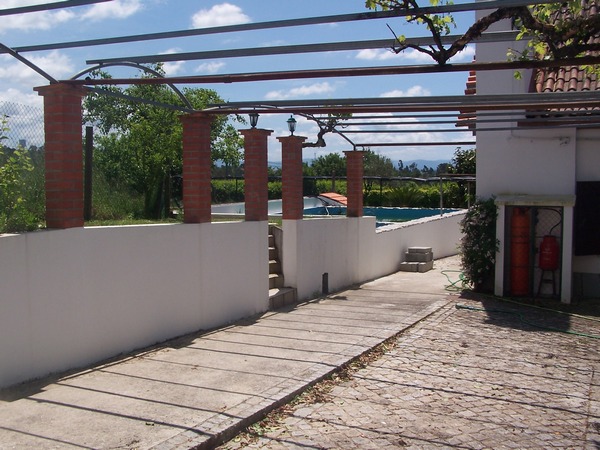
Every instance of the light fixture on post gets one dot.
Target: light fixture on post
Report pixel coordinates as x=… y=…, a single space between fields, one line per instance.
x=253 y=119
x=291 y=125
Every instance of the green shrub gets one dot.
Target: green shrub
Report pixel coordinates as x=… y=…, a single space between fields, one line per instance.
x=18 y=211
x=227 y=191
x=274 y=188
x=407 y=194
x=479 y=245
x=114 y=200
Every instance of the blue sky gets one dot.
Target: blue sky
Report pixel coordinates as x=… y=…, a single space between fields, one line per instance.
x=125 y=17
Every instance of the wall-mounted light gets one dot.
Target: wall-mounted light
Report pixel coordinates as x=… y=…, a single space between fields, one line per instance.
x=253 y=119
x=291 y=125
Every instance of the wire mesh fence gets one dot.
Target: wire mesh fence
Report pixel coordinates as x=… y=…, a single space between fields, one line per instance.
x=25 y=125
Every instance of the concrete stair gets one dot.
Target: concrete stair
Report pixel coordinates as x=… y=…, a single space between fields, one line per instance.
x=417 y=259
x=279 y=294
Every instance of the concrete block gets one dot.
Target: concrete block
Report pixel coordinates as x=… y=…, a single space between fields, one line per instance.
x=409 y=267
x=425 y=266
x=418 y=257
x=419 y=249
x=421 y=267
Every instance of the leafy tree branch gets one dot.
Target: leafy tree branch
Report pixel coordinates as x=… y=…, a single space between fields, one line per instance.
x=558 y=30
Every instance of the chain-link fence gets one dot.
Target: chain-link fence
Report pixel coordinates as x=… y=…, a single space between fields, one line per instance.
x=25 y=125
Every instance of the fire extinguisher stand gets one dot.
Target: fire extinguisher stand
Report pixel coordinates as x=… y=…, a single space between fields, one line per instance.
x=548 y=245
x=549 y=257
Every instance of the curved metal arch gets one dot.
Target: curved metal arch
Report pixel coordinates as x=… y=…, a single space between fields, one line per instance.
x=139 y=67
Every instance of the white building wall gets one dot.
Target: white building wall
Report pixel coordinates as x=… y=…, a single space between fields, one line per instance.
x=353 y=250
x=546 y=162
x=77 y=296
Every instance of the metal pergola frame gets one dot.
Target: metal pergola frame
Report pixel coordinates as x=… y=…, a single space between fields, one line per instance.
x=480 y=109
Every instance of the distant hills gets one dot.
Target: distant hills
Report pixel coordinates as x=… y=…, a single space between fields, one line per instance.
x=420 y=163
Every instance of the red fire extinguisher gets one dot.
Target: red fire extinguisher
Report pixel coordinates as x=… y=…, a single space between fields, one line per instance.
x=520 y=248
x=549 y=252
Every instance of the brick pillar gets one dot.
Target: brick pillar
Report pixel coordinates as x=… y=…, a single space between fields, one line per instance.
x=256 y=174
x=64 y=155
x=291 y=177
x=354 y=175
x=196 y=167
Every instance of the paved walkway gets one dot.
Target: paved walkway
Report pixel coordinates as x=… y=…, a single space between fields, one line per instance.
x=200 y=390
x=463 y=378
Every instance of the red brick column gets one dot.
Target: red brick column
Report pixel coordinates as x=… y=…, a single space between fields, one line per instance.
x=196 y=167
x=354 y=175
x=291 y=177
x=256 y=174
x=64 y=155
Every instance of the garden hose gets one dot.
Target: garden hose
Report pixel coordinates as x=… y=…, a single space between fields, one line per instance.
x=543 y=327
x=453 y=286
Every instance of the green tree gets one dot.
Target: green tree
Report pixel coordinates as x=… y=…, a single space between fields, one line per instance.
x=140 y=143
x=463 y=161
x=17 y=211
x=376 y=165
x=330 y=165
x=228 y=148
x=559 y=30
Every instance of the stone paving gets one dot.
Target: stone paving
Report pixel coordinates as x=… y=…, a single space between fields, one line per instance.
x=462 y=378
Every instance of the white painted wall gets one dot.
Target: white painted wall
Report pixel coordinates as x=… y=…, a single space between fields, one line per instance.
x=77 y=296
x=352 y=250
x=526 y=162
x=531 y=162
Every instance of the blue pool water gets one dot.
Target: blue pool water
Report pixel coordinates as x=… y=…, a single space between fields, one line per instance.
x=382 y=214
x=314 y=207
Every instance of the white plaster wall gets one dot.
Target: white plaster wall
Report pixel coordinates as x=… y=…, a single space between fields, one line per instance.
x=385 y=251
x=352 y=250
x=77 y=296
x=526 y=162
x=317 y=246
x=534 y=162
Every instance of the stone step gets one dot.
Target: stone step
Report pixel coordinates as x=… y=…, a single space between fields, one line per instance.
x=416 y=266
x=273 y=253
x=419 y=249
x=275 y=280
x=418 y=257
x=271 y=240
x=280 y=297
x=274 y=266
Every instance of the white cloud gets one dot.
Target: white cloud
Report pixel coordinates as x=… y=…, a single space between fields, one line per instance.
x=376 y=55
x=174 y=67
x=466 y=55
x=301 y=91
x=116 y=9
x=411 y=55
x=12 y=95
x=210 y=67
x=414 y=91
x=43 y=20
x=219 y=15
x=386 y=54
x=55 y=64
x=46 y=20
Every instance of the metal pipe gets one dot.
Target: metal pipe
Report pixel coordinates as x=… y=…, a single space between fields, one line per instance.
x=347 y=72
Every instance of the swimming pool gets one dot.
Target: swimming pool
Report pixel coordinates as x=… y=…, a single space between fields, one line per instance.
x=314 y=207
x=382 y=214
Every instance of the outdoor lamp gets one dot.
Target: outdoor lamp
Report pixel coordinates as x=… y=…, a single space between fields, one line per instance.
x=253 y=119
x=291 y=125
